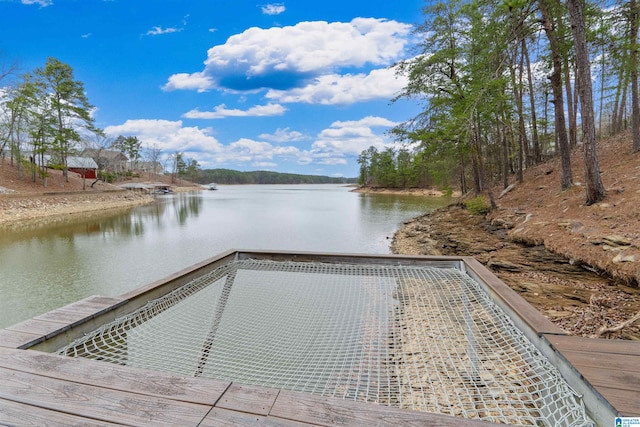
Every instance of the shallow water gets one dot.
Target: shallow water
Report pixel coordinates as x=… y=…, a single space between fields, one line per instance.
x=46 y=267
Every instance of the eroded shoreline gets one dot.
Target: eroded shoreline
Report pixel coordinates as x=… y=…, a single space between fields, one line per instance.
x=19 y=210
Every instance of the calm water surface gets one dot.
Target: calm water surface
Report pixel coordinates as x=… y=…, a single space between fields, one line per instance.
x=44 y=268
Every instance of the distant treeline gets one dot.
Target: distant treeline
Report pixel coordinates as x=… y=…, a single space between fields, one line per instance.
x=228 y=176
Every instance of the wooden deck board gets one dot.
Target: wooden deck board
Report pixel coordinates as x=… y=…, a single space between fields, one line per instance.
x=114 y=377
x=332 y=412
x=97 y=403
x=612 y=367
x=39 y=327
x=16 y=339
x=65 y=316
x=254 y=400
x=617 y=362
x=19 y=414
x=593 y=345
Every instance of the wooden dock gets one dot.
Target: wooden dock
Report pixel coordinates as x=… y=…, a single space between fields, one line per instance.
x=39 y=388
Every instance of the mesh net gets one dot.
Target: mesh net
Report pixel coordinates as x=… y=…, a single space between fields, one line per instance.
x=421 y=338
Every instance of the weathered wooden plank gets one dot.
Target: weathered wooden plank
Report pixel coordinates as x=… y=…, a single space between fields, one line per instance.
x=335 y=412
x=220 y=417
x=97 y=403
x=595 y=345
x=94 y=305
x=619 y=362
x=65 y=316
x=19 y=414
x=15 y=339
x=627 y=402
x=38 y=327
x=116 y=377
x=347 y=258
x=502 y=292
x=604 y=377
x=254 y=400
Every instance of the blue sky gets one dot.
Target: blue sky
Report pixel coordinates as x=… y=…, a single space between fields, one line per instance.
x=295 y=86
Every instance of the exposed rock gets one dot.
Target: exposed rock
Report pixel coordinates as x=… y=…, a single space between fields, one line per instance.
x=616 y=240
x=623 y=258
x=500 y=264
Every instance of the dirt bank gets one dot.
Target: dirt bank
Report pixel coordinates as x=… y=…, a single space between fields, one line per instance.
x=578 y=300
x=24 y=202
x=19 y=210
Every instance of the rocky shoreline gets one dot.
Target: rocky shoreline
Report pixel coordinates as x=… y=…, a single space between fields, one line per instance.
x=577 y=297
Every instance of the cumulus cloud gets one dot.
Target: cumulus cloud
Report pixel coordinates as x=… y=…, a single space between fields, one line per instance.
x=332 y=89
x=168 y=135
x=339 y=144
x=221 y=112
x=282 y=136
x=247 y=151
x=273 y=9
x=195 y=81
x=347 y=139
x=283 y=58
x=155 y=31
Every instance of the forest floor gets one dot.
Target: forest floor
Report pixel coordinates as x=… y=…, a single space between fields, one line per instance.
x=24 y=202
x=577 y=264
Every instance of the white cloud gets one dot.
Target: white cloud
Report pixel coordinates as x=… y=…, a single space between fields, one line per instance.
x=42 y=3
x=221 y=112
x=283 y=58
x=86 y=36
x=155 y=31
x=273 y=9
x=283 y=135
x=347 y=139
x=250 y=152
x=197 y=81
x=339 y=144
x=168 y=135
x=332 y=89
x=264 y=165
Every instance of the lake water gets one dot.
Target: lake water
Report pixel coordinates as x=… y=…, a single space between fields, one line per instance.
x=44 y=268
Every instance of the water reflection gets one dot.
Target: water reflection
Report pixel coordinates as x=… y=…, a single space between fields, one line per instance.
x=124 y=222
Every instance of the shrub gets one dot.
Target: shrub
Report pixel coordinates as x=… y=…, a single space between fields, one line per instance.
x=477 y=206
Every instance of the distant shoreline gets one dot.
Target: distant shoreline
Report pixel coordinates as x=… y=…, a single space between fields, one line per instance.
x=430 y=192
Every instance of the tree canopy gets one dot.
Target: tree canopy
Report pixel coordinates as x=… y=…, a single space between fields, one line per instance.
x=504 y=85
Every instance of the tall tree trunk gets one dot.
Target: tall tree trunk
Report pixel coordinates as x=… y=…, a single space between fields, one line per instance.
x=622 y=109
x=548 y=23
x=571 y=107
x=532 y=101
x=593 y=182
x=603 y=76
x=635 y=105
x=517 y=94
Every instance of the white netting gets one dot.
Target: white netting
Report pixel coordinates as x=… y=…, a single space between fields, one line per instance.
x=421 y=338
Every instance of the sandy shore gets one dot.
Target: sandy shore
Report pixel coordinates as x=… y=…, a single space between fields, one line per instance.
x=17 y=210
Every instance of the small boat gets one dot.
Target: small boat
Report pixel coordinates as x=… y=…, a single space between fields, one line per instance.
x=212 y=186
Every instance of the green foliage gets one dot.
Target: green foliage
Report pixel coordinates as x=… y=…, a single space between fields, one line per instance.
x=107 y=176
x=228 y=176
x=477 y=206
